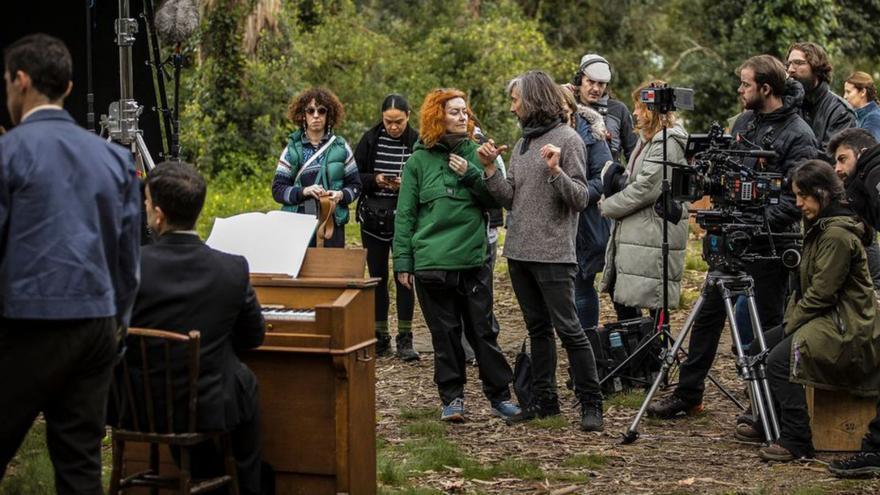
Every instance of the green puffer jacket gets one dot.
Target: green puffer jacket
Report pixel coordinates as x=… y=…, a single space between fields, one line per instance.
x=836 y=344
x=331 y=174
x=440 y=223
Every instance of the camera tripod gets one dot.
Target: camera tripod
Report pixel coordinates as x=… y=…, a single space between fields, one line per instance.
x=751 y=369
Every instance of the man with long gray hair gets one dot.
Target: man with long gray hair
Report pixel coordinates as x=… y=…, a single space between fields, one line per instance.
x=545 y=190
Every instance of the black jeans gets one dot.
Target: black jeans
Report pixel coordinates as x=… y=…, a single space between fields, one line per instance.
x=337 y=240
x=789 y=399
x=545 y=292
x=771 y=280
x=61 y=368
x=377 y=263
x=448 y=299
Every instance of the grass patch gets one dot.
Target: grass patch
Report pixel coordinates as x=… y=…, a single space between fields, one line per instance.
x=810 y=490
x=419 y=413
x=435 y=455
x=519 y=468
x=389 y=470
x=625 y=400
x=586 y=461
x=408 y=490
x=426 y=428
x=568 y=477
x=549 y=423
x=30 y=472
x=687 y=297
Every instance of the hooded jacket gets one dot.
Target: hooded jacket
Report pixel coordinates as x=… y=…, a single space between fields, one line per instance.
x=593 y=228
x=786 y=133
x=634 y=257
x=863 y=188
x=827 y=114
x=440 y=223
x=836 y=344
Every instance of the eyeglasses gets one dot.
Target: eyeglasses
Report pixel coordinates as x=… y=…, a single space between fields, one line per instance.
x=316 y=111
x=796 y=62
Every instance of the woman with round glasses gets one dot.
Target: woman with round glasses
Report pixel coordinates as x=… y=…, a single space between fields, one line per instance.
x=316 y=162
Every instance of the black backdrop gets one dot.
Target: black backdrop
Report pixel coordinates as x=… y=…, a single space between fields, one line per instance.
x=67 y=21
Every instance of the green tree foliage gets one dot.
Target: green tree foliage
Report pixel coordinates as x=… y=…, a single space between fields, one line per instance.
x=234 y=117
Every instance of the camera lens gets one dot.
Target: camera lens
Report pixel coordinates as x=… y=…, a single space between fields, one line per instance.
x=791 y=258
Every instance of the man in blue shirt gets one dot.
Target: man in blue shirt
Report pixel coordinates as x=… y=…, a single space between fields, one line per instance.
x=69 y=248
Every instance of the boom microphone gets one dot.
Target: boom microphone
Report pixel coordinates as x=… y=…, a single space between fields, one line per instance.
x=176 y=21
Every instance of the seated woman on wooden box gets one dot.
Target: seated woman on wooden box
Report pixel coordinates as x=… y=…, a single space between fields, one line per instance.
x=831 y=337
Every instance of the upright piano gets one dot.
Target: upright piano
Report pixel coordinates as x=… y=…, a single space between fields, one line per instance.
x=317 y=376
x=316 y=370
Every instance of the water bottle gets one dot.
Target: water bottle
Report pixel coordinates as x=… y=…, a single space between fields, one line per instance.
x=618 y=352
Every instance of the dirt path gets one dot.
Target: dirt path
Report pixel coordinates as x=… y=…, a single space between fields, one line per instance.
x=692 y=455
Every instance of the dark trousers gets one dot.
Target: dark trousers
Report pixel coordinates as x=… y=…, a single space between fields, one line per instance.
x=448 y=299
x=871 y=442
x=789 y=398
x=335 y=241
x=377 y=263
x=770 y=287
x=586 y=300
x=545 y=292
x=490 y=261
x=207 y=459
x=61 y=368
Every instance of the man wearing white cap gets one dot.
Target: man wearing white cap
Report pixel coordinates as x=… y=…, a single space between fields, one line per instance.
x=590 y=85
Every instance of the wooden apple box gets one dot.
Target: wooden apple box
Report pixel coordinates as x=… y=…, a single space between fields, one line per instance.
x=838 y=420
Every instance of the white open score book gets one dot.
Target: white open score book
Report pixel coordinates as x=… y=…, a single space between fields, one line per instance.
x=273 y=242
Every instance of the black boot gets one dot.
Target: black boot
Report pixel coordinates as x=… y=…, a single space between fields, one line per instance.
x=383 y=344
x=591 y=415
x=405 y=349
x=537 y=409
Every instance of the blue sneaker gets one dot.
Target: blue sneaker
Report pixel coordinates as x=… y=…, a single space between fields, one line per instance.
x=505 y=409
x=453 y=412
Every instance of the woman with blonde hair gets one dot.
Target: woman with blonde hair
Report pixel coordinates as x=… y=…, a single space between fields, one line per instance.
x=860 y=92
x=440 y=246
x=634 y=259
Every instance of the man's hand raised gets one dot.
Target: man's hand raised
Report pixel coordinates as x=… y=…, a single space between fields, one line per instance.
x=487 y=153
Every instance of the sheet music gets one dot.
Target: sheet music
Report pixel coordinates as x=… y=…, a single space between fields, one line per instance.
x=273 y=242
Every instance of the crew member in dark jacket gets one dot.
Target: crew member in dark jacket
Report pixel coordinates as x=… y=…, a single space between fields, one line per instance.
x=770 y=122
x=69 y=245
x=590 y=87
x=187 y=286
x=380 y=155
x=825 y=112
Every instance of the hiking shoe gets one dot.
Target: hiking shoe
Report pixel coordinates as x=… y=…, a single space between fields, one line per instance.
x=453 y=412
x=745 y=432
x=383 y=344
x=534 y=410
x=405 y=349
x=671 y=406
x=505 y=409
x=591 y=416
x=776 y=452
x=860 y=465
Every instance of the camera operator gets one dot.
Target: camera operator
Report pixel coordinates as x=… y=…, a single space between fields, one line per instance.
x=857 y=163
x=825 y=112
x=770 y=122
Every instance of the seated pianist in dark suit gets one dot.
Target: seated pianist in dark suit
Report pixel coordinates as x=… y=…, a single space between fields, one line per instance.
x=186 y=285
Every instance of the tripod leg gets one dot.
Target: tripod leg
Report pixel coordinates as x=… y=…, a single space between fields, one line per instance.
x=632 y=433
x=745 y=368
x=761 y=370
x=141 y=147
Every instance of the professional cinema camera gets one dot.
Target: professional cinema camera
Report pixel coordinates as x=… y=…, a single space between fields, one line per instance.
x=740 y=189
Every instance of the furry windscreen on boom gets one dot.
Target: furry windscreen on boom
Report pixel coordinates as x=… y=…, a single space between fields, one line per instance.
x=176 y=20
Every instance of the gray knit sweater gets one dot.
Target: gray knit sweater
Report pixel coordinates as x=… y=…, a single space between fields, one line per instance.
x=542 y=224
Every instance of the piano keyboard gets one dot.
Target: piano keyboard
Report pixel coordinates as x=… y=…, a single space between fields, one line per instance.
x=289 y=314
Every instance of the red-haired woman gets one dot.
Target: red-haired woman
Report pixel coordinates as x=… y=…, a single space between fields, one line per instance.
x=440 y=244
x=316 y=162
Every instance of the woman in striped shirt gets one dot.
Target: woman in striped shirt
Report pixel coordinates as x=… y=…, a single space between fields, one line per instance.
x=381 y=155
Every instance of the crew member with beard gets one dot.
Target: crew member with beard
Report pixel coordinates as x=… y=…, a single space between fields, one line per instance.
x=770 y=122
x=825 y=112
x=590 y=87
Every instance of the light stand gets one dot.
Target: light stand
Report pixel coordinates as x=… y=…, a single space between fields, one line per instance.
x=121 y=122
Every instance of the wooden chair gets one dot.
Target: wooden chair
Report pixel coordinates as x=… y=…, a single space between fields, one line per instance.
x=145 y=413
